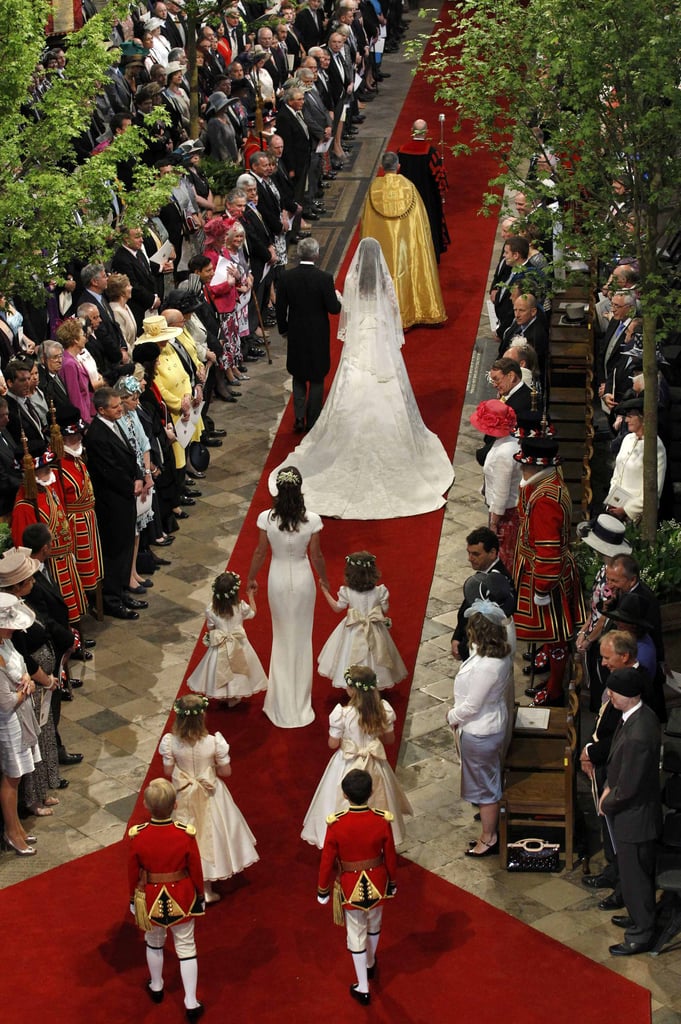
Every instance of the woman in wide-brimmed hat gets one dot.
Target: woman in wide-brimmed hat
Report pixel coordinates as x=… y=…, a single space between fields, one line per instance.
x=19 y=730
x=17 y=570
x=501 y=472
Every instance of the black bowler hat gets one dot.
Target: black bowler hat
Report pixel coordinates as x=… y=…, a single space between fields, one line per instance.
x=628 y=682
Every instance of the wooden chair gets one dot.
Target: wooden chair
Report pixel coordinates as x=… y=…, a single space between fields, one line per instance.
x=544 y=799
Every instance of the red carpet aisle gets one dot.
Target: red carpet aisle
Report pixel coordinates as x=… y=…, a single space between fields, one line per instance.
x=268 y=952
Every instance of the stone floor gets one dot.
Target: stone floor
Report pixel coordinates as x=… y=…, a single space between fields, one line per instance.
x=117 y=717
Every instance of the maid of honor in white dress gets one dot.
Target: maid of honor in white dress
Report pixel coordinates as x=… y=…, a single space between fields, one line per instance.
x=357 y=732
x=197 y=763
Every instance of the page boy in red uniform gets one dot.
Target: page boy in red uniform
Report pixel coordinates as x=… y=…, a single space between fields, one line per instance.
x=166 y=887
x=360 y=840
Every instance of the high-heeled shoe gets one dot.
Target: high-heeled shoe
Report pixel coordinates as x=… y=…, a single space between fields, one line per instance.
x=27 y=852
x=31 y=839
x=492 y=848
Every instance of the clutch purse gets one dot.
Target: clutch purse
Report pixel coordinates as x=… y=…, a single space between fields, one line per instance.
x=533 y=855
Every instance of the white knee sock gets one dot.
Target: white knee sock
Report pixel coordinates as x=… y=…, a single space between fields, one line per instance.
x=155 y=965
x=372 y=943
x=360 y=962
x=189 y=970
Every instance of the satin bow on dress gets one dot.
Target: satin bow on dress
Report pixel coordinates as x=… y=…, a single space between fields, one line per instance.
x=370 y=635
x=232 y=643
x=193 y=795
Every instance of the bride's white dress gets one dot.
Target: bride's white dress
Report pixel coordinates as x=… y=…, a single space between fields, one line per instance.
x=370 y=455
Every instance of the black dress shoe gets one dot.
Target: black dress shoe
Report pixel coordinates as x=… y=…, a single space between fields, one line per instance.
x=234 y=394
x=528 y=670
x=156 y=997
x=81 y=655
x=363 y=998
x=301 y=235
x=88 y=643
x=329 y=176
x=596 y=882
x=192 y=492
x=211 y=442
x=195 y=1013
x=383 y=74
x=532 y=691
x=181 y=514
x=299 y=426
x=359 y=118
x=66 y=758
x=62 y=784
x=216 y=432
x=630 y=948
x=120 y=612
x=163 y=561
x=611 y=902
x=65 y=695
x=165 y=543
x=147 y=584
x=76 y=683
x=195 y=474
x=135 y=590
x=256 y=351
x=132 y=602
x=311 y=215
x=184 y=500
x=621 y=920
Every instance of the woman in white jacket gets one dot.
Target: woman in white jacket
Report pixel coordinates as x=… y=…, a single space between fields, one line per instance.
x=483 y=693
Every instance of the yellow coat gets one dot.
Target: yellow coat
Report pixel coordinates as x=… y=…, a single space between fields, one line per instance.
x=395 y=216
x=173 y=382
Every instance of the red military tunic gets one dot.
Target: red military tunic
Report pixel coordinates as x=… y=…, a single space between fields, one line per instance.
x=79 y=499
x=359 y=835
x=544 y=563
x=48 y=508
x=167 y=847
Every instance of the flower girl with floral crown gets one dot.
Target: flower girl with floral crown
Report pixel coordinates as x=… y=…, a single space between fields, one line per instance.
x=363 y=637
x=196 y=762
x=230 y=669
x=357 y=732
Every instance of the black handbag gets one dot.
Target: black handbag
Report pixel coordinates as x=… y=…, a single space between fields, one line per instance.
x=532 y=855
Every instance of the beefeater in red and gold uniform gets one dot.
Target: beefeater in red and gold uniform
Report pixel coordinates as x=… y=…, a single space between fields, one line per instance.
x=166 y=887
x=79 y=499
x=550 y=605
x=48 y=507
x=360 y=841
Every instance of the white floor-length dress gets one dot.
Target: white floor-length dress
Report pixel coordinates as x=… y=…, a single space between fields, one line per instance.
x=291 y=592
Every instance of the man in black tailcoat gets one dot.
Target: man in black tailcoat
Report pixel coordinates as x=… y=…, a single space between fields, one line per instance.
x=117 y=481
x=305 y=298
x=632 y=807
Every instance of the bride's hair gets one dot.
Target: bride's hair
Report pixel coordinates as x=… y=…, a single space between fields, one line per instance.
x=289 y=505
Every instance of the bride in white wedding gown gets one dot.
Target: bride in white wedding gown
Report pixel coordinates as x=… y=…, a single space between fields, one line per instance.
x=370 y=455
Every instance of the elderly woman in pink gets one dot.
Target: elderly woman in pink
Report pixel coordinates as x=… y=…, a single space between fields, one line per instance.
x=222 y=292
x=502 y=473
x=74 y=375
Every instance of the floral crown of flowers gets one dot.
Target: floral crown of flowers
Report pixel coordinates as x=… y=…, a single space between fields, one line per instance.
x=362 y=563
x=288 y=476
x=360 y=684
x=182 y=712
x=228 y=592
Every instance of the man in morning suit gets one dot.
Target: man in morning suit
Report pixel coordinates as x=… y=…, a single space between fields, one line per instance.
x=305 y=298
x=360 y=841
x=117 y=481
x=10 y=476
x=632 y=807
x=482 y=549
x=294 y=131
x=131 y=259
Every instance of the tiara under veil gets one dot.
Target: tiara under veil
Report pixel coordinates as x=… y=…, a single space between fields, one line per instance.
x=370 y=324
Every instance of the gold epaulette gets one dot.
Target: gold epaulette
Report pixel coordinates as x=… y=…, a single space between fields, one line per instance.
x=331 y=819
x=136 y=829
x=382 y=814
x=189 y=829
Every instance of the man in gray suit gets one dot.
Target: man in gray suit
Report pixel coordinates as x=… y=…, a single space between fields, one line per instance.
x=632 y=807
